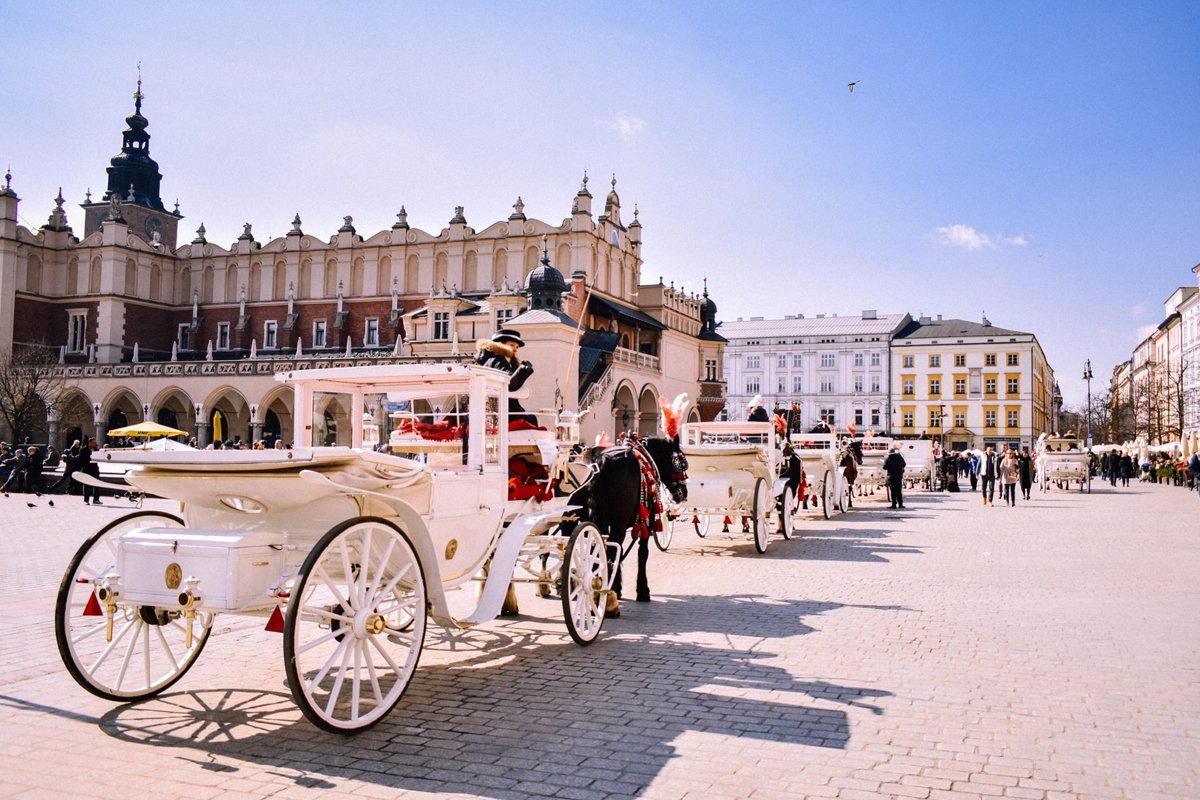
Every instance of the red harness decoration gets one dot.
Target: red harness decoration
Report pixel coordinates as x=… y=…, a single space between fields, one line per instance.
x=648 y=495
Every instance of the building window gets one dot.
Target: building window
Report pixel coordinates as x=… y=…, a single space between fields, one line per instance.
x=797 y=360
x=1014 y=359
x=858 y=359
x=782 y=362
x=875 y=384
x=826 y=386
x=989 y=359
x=858 y=416
x=441 y=325
x=319 y=328
x=935 y=418
x=270 y=333
x=371 y=332
x=935 y=387
x=222 y=335
x=907 y=419
x=989 y=418
x=710 y=370
x=183 y=335
x=908 y=386
x=874 y=417
x=874 y=359
x=960 y=360
x=989 y=385
x=960 y=419
x=1014 y=418
x=752 y=386
x=77 y=327
x=503 y=315
x=960 y=385
x=858 y=383
x=829 y=416
x=908 y=361
x=1014 y=386
x=828 y=360
x=935 y=361
x=752 y=362
x=781 y=384
x=797 y=384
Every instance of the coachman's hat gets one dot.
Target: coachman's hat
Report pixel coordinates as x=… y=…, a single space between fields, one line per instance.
x=508 y=335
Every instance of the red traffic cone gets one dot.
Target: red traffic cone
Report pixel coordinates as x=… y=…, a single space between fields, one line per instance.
x=92 y=609
x=275 y=623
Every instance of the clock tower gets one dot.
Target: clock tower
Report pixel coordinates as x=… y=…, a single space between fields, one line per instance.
x=133 y=187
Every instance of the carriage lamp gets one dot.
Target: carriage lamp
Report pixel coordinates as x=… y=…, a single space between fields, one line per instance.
x=108 y=593
x=189 y=598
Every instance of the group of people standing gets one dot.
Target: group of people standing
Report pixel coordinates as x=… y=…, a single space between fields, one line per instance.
x=1010 y=468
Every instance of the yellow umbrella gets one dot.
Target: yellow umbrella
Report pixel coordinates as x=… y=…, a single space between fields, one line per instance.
x=218 y=433
x=146 y=429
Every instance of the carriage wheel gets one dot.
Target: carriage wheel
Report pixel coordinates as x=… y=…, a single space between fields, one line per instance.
x=663 y=538
x=148 y=651
x=844 y=498
x=355 y=625
x=760 y=522
x=702 y=521
x=786 y=501
x=827 y=494
x=584 y=583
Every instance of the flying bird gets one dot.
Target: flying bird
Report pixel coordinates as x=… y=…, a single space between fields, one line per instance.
x=852 y=85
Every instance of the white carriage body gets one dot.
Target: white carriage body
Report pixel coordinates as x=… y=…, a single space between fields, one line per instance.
x=1061 y=459
x=918 y=459
x=725 y=460
x=875 y=450
x=444 y=480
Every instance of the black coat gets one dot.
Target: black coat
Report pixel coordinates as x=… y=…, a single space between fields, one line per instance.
x=894 y=465
x=758 y=414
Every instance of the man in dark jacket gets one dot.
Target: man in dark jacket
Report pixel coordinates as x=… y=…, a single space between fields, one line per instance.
x=1025 y=467
x=755 y=412
x=893 y=465
x=989 y=470
x=500 y=352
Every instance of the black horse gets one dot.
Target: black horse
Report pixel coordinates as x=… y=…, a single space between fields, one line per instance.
x=612 y=497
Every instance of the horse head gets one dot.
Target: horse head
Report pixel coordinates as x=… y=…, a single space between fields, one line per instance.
x=671 y=463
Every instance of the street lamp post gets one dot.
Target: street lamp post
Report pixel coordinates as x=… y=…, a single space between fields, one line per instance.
x=1087 y=376
x=942 y=444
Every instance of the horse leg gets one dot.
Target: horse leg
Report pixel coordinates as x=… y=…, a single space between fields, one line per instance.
x=612 y=605
x=643 y=585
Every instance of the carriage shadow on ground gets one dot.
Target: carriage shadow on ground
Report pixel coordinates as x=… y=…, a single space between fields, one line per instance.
x=807 y=543
x=530 y=715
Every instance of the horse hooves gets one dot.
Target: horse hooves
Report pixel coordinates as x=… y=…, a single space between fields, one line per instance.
x=510 y=612
x=643 y=598
x=614 y=614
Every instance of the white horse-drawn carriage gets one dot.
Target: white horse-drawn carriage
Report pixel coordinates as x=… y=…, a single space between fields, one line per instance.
x=733 y=473
x=347 y=550
x=871 y=475
x=1060 y=461
x=820 y=455
x=919 y=458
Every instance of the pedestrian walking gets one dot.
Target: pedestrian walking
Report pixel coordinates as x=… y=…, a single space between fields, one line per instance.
x=87 y=466
x=1193 y=469
x=1010 y=473
x=973 y=470
x=989 y=470
x=1025 y=466
x=70 y=459
x=893 y=465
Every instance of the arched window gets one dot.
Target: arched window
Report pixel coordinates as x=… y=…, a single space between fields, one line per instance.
x=131 y=275
x=471 y=271
x=304 y=285
x=255 y=292
x=279 y=290
x=206 y=292
x=330 y=278
x=232 y=295
x=412 y=275
x=72 y=276
x=441 y=271
x=155 y=281
x=94 y=276
x=500 y=268
x=383 y=276
x=356 y=277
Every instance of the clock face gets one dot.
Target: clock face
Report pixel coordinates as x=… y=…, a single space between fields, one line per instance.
x=153 y=226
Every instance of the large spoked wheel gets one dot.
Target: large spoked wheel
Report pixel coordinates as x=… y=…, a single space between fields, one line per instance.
x=786 y=501
x=148 y=649
x=700 y=523
x=761 y=521
x=585 y=583
x=843 y=504
x=827 y=494
x=355 y=625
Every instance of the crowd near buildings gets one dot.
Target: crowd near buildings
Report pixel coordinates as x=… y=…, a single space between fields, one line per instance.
x=1154 y=396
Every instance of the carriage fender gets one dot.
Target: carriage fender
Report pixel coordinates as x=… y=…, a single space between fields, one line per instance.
x=778 y=486
x=504 y=559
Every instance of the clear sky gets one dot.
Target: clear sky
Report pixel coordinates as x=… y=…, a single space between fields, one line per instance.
x=1037 y=161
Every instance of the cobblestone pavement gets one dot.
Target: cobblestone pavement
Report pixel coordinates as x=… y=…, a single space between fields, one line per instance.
x=950 y=651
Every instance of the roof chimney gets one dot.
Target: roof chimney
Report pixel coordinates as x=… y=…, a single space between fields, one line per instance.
x=939 y=317
x=924 y=320
x=869 y=314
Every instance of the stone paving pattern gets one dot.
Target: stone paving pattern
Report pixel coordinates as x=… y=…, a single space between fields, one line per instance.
x=950 y=651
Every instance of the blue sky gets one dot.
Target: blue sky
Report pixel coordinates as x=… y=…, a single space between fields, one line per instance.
x=1038 y=161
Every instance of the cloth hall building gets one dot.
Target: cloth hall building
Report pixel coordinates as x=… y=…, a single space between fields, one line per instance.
x=143 y=327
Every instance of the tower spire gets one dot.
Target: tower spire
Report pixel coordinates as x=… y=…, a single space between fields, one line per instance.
x=137 y=96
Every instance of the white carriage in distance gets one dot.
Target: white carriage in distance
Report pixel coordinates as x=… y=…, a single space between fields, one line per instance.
x=347 y=551
x=919 y=459
x=871 y=475
x=733 y=473
x=1061 y=462
x=824 y=478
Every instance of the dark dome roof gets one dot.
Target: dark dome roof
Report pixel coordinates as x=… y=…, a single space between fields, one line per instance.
x=545 y=277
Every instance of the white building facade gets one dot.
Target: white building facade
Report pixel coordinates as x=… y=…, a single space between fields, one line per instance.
x=832 y=368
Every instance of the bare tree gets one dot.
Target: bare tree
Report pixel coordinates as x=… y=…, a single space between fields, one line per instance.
x=30 y=384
